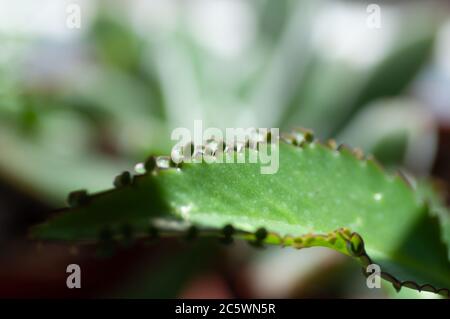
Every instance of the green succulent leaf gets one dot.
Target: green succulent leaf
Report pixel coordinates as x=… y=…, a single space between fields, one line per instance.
x=322 y=195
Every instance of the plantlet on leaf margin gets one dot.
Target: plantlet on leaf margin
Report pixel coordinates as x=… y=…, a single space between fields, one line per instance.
x=313 y=187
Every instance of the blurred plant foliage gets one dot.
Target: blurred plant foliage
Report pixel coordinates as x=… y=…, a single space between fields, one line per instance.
x=129 y=89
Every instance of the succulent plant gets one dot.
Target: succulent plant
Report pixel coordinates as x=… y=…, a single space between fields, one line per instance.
x=323 y=195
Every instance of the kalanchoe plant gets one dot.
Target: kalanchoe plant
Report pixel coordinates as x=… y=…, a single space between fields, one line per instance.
x=323 y=195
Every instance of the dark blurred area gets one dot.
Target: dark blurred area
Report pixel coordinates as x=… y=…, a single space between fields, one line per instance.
x=81 y=103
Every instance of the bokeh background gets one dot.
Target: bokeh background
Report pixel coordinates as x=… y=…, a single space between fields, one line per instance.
x=80 y=105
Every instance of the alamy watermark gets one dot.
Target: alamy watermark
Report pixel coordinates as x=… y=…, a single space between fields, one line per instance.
x=373 y=280
x=74 y=279
x=373 y=20
x=236 y=145
x=73 y=17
